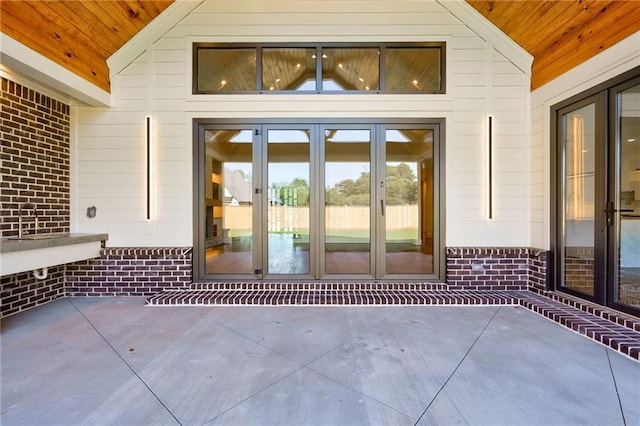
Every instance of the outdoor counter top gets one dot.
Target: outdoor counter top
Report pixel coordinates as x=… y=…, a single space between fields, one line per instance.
x=44 y=250
x=40 y=241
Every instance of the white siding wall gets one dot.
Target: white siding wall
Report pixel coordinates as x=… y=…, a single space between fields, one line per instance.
x=480 y=81
x=608 y=64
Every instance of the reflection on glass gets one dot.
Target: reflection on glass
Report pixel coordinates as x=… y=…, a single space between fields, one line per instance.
x=228 y=202
x=226 y=70
x=350 y=68
x=288 y=197
x=408 y=210
x=289 y=69
x=578 y=195
x=628 y=276
x=414 y=69
x=347 y=200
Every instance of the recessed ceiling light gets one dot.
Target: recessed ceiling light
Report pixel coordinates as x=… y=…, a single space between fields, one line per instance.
x=631 y=140
x=277 y=80
x=223 y=82
x=360 y=78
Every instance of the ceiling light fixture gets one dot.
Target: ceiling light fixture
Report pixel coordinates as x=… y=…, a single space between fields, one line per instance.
x=631 y=140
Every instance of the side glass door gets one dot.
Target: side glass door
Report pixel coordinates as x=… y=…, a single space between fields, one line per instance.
x=407 y=200
x=347 y=184
x=624 y=285
x=228 y=228
x=288 y=195
x=581 y=199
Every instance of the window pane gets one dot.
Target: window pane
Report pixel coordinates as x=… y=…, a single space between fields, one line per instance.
x=409 y=203
x=628 y=265
x=289 y=69
x=579 y=194
x=228 y=202
x=347 y=200
x=226 y=70
x=415 y=69
x=289 y=201
x=350 y=69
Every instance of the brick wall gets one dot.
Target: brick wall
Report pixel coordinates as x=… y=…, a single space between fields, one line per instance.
x=34 y=168
x=35 y=159
x=539 y=269
x=22 y=291
x=487 y=268
x=130 y=272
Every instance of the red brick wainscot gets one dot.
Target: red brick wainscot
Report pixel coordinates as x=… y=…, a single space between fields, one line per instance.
x=131 y=271
x=497 y=268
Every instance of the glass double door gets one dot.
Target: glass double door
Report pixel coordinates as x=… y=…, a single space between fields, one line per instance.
x=348 y=201
x=598 y=199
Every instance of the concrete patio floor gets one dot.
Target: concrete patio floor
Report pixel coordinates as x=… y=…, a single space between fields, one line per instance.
x=114 y=361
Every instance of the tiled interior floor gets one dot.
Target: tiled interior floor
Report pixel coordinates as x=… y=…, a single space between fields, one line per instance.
x=115 y=361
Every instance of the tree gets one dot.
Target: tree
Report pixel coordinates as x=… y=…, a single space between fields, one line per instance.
x=401 y=188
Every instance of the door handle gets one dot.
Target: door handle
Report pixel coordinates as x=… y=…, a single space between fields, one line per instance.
x=610 y=212
x=382 y=206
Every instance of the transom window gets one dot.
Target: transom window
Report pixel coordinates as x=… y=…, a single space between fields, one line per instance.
x=327 y=68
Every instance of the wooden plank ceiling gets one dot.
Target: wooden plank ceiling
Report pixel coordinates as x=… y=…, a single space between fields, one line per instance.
x=78 y=34
x=81 y=34
x=562 y=34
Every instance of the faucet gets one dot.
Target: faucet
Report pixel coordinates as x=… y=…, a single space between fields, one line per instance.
x=35 y=214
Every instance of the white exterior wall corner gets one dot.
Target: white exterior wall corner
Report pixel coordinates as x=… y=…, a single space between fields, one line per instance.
x=614 y=61
x=481 y=79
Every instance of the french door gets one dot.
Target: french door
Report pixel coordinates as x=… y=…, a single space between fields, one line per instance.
x=597 y=202
x=317 y=201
